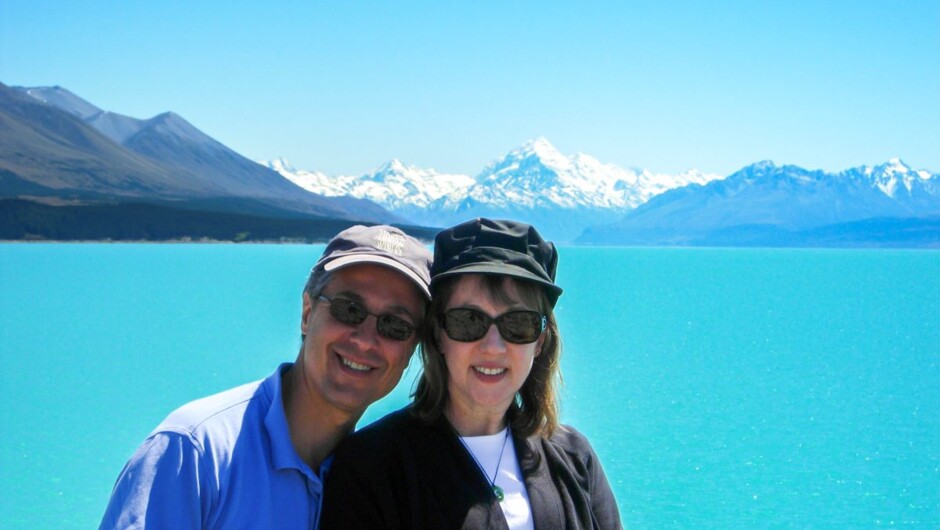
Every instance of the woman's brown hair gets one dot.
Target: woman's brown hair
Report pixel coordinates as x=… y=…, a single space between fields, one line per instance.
x=535 y=409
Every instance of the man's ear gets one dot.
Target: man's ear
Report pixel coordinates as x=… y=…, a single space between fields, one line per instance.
x=306 y=309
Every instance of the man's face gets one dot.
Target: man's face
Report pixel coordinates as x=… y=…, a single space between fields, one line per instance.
x=349 y=367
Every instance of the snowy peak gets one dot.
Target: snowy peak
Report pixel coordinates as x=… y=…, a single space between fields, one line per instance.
x=533 y=176
x=541 y=151
x=395 y=170
x=393 y=166
x=768 y=173
x=414 y=186
x=764 y=204
x=312 y=181
x=563 y=194
x=280 y=164
x=894 y=177
x=534 y=159
x=757 y=170
x=896 y=165
x=763 y=165
x=393 y=185
x=537 y=175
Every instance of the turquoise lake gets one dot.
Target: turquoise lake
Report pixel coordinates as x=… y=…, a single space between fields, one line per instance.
x=722 y=388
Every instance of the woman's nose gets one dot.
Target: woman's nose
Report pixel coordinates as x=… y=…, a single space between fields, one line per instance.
x=493 y=341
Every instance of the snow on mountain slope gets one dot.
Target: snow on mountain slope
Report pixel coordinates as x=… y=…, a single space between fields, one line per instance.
x=534 y=183
x=770 y=203
x=393 y=185
x=536 y=175
x=895 y=178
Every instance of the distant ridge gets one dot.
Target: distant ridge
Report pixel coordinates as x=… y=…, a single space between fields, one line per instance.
x=46 y=151
x=184 y=162
x=770 y=205
x=23 y=220
x=54 y=144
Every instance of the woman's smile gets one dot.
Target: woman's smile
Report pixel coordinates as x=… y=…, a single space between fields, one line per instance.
x=489 y=371
x=485 y=374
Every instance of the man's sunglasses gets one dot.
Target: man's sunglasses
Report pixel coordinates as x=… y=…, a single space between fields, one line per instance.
x=353 y=313
x=517 y=327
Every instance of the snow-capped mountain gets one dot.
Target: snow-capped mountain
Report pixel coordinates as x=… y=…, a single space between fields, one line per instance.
x=764 y=202
x=535 y=183
x=537 y=175
x=895 y=177
x=566 y=195
x=915 y=191
x=395 y=186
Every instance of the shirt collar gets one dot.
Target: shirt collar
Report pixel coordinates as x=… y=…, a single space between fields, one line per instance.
x=283 y=454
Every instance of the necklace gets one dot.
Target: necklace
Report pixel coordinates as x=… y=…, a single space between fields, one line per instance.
x=498 y=491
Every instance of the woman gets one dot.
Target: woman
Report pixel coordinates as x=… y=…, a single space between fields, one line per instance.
x=481 y=446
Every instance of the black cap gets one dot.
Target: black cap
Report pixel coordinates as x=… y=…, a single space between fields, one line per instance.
x=383 y=245
x=488 y=246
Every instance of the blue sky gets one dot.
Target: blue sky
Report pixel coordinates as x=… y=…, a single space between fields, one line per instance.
x=342 y=87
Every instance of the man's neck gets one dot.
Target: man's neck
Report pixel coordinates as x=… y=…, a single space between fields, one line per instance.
x=316 y=428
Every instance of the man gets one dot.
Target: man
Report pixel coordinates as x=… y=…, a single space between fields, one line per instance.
x=255 y=456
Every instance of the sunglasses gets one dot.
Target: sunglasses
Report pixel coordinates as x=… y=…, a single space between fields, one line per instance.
x=517 y=327
x=353 y=313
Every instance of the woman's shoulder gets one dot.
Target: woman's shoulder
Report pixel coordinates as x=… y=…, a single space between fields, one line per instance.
x=569 y=440
x=396 y=429
x=567 y=450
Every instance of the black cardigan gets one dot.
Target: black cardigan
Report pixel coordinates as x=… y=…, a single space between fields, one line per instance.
x=402 y=473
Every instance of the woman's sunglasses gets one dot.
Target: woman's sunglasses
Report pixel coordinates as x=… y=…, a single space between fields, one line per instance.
x=517 y=327
x=353 y=313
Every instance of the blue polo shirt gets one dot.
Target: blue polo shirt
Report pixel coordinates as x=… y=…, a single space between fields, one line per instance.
x=224 y=461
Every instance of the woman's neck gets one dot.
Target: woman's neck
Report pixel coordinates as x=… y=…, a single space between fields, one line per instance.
x=474 y=423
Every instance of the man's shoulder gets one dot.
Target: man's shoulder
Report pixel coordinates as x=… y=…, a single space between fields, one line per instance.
x=222 y=411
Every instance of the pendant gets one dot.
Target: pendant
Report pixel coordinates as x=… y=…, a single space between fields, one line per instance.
x=499 y=493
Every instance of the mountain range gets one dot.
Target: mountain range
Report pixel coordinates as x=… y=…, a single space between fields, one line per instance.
x=534 y=183
x=769 y=205
x=581 y=200
x=56 y=141
x=69 y=169
x=60 y=150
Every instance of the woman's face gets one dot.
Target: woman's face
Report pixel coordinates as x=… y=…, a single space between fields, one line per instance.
x=484 y=375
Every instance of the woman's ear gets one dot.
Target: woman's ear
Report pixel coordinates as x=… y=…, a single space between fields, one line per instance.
x=541 y=341
x=436 y=339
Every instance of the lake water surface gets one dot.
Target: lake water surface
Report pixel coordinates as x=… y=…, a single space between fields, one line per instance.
x=742 y=388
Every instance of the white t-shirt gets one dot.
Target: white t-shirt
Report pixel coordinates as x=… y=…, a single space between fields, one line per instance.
x=487 y=451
